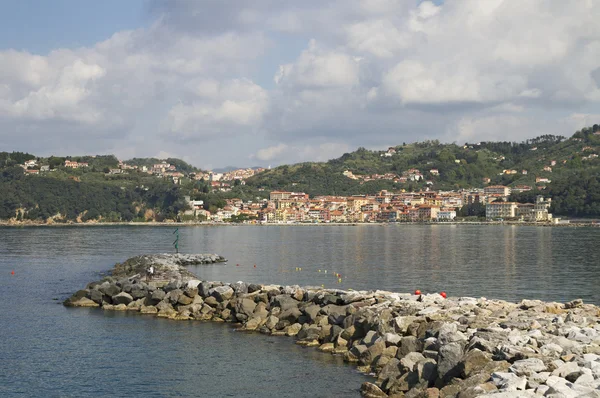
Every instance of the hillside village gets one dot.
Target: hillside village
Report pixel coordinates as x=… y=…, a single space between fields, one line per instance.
x=420 y=182
x=427 y=206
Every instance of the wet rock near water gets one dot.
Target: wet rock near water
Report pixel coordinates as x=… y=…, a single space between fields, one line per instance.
x=415 y=346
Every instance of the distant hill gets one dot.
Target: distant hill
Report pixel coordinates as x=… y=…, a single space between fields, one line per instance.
x=561 y=160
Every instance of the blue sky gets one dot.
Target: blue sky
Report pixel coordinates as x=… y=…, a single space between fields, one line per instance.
x=279 y=81
x=41 y=26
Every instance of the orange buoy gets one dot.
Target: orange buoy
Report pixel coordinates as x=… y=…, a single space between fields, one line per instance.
x=417 y=292
x=12 y=272
x=443 y=294
x=254 y=265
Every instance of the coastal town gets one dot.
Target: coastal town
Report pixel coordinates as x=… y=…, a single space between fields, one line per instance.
x=282 y=207
x=427 y=206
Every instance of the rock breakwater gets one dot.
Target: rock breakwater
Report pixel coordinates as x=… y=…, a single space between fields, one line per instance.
x=415 y=346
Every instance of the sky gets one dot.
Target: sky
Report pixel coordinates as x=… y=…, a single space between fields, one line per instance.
x=268 y=82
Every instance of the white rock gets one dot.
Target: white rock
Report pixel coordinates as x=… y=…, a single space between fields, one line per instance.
x=508 y=381
x=566 y=369
x=525 y=367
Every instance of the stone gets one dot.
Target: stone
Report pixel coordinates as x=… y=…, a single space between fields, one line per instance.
x=427 y=370
x=390 y=370
x=83 y=302
x=448 y=358
x=370 y=390
x=312 y=311
x=448 y=333
x=183 y=299
x=566 y=369
x=222 y=293
x=148 y=309
x=291 y=315
x=391 y=339
x=253 y=324
x=245 y=306
x=409 y=344
x=122 y=298
x=284 y=302
x=401 y=323
x=473 y=362
x=96 y=296
x=109 y=289
x=526 y=367
x=293 y=330
x=372 y=352
x=240 y=288
x=409 y=361
x=509 y=381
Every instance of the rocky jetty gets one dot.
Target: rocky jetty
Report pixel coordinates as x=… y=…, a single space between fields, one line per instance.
x=414 y=345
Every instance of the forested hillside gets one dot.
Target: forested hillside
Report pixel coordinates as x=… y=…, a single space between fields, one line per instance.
x=566 y=169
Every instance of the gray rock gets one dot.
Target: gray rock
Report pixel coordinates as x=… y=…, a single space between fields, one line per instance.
x=245 y=306
x=109 y=289
x=566 y=369
x=409 y=344
x=448 y=333
x=370 y=390
x=96 y=296
x=204 y=289
x=409 y=361
x=391 y=339
x=240 y=288
x=291 y=314
x=448 y=358
x=284 y=302
x=122 y=298
x=253 y=287
x=335 y=313
x=222 y=293
x=509 y=381
x=312 y=311
x=390 y=370
x=526 y=367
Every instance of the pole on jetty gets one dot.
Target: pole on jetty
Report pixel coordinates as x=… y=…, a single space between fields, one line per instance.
x=176 y=243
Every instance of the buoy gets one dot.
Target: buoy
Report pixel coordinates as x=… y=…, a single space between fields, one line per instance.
x=254 y=265
x=417 y=292
x=12 y=272
x=319 y=270
x=300 y=269
x=443 y=294
x=340 y=280
x=325 y=271
x=237 y=265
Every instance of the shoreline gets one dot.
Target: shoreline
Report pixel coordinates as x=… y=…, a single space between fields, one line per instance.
x=413 y=344
x=593 y=224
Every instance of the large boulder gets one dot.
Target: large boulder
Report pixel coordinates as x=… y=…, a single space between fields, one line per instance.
x=448 y=358
x=222 y=293
x=284 y=302
x=122 y=298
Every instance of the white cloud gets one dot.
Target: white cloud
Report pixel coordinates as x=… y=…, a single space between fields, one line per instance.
x=374 y=72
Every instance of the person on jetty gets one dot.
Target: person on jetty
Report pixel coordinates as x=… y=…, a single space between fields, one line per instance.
x=149 y=273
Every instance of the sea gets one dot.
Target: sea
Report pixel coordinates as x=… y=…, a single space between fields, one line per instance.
x=49 y=350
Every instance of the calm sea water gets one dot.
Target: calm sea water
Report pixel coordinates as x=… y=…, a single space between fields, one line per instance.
x=49 y=350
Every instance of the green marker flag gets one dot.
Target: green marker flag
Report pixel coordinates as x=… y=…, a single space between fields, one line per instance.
x=176 y=243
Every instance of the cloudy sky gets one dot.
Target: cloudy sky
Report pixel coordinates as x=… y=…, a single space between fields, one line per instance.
x=266 y=82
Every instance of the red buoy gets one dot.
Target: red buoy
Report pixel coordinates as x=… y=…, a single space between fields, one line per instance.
x=12 y=272
x=237 y=265
x=443 y=294
x=417 y=292
x=254 y=265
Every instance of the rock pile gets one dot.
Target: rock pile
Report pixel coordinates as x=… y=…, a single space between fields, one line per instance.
x=415 y=346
